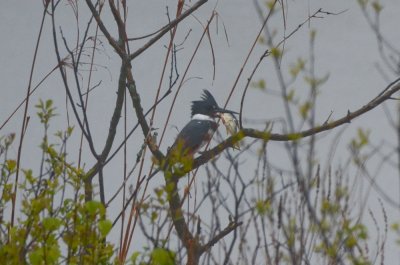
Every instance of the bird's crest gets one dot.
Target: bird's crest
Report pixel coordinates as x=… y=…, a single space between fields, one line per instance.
x=206 y=105
x=208 y=97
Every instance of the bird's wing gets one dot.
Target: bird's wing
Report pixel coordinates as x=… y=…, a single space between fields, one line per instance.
x=192 y=135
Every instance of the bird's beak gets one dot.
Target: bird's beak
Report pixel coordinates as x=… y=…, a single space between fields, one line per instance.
x=220 y=110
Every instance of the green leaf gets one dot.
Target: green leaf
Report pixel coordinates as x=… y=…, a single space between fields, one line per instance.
x=154 y=216
x=351 y=242
x=70 y=129
x=52 y=253
x=36 y=256
x=134 y=257
x=361 y=140
x=105 y=227
x=276 y=52
x=328 y=207
x=297 y=67
x=313 y=33
x=270 y=4
x=51 y=223
x=159 y=192
x=395 y=227
x=161 y=256
x=290 y=95
x=49 y=103
x=52 y=152
x=263 y=207
x=315 y=82
x=11 y=164
x=39 y=105
x=93 y=207
x=377 y=6
x=363 y=136
x=7 y=192
x=261 y=84
x=304 y=109
x=363 y=3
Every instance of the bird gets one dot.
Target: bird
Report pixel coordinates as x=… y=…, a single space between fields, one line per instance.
x=200 y=129
x=195 y=134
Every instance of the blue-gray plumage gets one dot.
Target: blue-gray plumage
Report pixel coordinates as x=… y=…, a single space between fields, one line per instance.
x=195 y=135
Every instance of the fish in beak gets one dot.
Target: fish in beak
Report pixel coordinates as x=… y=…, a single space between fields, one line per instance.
x=231 y=125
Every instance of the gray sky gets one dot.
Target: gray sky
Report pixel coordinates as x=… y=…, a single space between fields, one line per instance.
x=345 y=48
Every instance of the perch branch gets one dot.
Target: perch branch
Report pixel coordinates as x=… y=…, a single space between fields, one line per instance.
x=268 y=136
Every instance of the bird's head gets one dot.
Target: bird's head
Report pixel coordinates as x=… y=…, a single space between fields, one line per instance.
x=208 y=106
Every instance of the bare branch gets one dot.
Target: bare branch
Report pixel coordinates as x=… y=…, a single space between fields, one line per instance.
x=167 y=28
x=231 y=226
x=103 y=28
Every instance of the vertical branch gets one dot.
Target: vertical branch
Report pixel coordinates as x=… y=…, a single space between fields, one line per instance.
x=191 y=244
x=88 y=89
x=398 y=144
x=312 y=100
x=25 y=117
x=170 y=45
x=125 y=172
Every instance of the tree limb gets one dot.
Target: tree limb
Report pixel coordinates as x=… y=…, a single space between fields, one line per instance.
x=103 y=29
x=268 y=136
x=167 y=28
x=231 y=226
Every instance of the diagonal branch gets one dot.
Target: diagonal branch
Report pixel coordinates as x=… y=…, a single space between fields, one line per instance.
x=118 y=20
x=103 y=28
x=231 y=226
x=387 y=94
x=166 y=29
x=117 y=111
x=141 y=117
x=112 y=130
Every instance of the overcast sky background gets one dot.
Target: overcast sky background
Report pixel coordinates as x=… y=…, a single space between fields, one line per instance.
x=345 y=48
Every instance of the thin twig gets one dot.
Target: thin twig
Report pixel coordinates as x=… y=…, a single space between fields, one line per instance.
x=25 y=117
x=166 y=29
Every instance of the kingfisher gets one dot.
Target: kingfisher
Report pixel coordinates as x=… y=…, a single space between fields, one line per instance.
x=200 y=129
x=196 y=133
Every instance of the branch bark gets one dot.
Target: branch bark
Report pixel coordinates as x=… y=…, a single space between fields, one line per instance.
x=188 y=240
